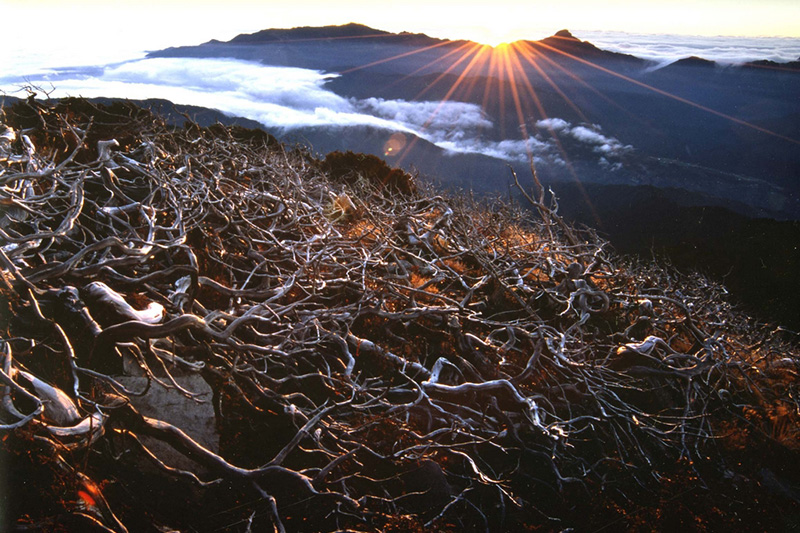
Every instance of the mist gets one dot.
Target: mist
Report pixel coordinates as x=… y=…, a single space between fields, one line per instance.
x=287 y=98
x=666 y=49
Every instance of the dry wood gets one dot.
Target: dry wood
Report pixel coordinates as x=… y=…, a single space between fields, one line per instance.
x=375 y=352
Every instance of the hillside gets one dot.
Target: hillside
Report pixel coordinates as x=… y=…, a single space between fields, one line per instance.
x=206 y=330
x=687 y=229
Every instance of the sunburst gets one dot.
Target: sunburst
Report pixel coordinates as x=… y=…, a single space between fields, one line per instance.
x=510 y=72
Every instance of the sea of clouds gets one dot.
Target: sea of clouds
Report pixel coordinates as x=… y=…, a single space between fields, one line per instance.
x=285 y=99
x=669 y=48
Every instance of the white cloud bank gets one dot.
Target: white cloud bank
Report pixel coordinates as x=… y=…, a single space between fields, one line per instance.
x=669 y=48
x=590 y=135
x=290 y=98
x=278 y=97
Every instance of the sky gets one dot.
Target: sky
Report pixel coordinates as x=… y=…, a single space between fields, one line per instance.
x=160 y=23
x=95 y=32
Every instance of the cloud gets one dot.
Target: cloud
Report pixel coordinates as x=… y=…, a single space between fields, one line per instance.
x=458 y=128
x=589 y=135
x=514 y=151
x=436 y=116
x=553 y=124
x=281 y=97
x=666 y=49
x=602 y=144
x=606 y=164
x=288 y=98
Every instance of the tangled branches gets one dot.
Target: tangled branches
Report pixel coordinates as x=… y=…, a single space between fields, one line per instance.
x=378 y=356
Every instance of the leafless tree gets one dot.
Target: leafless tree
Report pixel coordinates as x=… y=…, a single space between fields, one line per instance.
x=381 y=356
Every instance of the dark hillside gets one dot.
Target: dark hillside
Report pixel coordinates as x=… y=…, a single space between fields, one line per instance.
x=750 y=255
x=203 y=330
x=755 y=258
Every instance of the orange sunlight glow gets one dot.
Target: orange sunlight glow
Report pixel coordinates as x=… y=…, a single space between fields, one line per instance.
x=495 y=34
x=506 y=71
x=507 y=77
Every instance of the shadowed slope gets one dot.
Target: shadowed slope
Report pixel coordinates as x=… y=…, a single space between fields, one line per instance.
x=379 y=359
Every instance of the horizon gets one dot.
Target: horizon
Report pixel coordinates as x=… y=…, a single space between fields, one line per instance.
x=33 y=58
x=179 y=22
x=503 y=21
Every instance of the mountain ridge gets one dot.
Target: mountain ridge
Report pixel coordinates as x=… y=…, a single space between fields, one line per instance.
x=563 y=40
x=351 y=30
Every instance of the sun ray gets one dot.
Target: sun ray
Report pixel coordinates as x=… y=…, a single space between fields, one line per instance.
x=512 y=62
x=527 y=57
x=488 y=87
x=431 y=64
x=668 y=94
x=474 y=49
x=399 y=56
x=512 y=82
x=468 y=91
x=513 y=57
x=501 y=93
x=479 y=51
x=575 y=77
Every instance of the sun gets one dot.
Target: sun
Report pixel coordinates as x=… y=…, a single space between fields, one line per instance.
x=495 y=33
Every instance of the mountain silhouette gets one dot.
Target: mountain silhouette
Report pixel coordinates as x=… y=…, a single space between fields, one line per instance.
x=322 y=33
x=693 y=61
x=764 y=63
x=563 y=41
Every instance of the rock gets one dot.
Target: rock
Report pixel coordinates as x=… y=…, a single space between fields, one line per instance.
x=195 y=418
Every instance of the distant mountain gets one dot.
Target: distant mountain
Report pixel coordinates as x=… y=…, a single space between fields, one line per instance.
x=692 y=61
x=791 y=65
x=324 y=33
x=328 y=48
x=566 y=43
